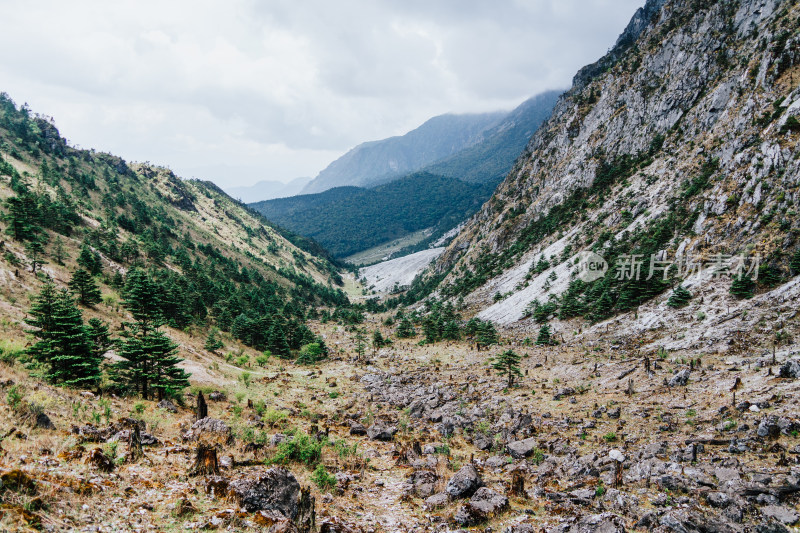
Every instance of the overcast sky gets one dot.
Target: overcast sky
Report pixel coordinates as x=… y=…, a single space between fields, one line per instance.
x=242 y=90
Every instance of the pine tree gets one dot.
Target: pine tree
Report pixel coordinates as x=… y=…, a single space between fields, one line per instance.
x=142 y=298
x=451 y=331
x=679 y=297
x=64 y=347
x=768 y=276
x=405 y=329
x=378 y=340
x=213 y=342
x=544 y=337
x=310 y=354
x=90 y=260
x=361 y=343
x=35 y=250
x=507 y=364
x=101 y=341
x=21 y=217
x=794 y=262
x=742 y=286
x=58 y=253
x=83 y=285
x=486 y=335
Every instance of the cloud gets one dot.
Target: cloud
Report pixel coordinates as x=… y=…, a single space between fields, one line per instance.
x=281 y=88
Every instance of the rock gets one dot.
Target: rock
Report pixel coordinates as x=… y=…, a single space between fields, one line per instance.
x=488 y=501
x=482 y=441
x=217 y=396
x=521 y=448
x=277 y=438
x=782 y=514
x=599 y=523
x=521 y=528
x=209 y=431
x=357 y=429
x=768 y=427
x=380 y=432
x=275 y=489
x=464 y=483
x=497 y=461
x=437 y=501
x=424 y=482
x=790 y=369
x=720 y=500
x=616 y=455
x=614 y=413
x=566 y=391
x=336 y=525
x=167 y=406
x=43 y=421
x=681 y=379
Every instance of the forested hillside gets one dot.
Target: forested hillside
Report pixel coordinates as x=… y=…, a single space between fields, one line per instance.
x=136 y=245
x=346 y=220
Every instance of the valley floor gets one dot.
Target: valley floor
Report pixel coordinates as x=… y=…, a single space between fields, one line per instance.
x=689 y=458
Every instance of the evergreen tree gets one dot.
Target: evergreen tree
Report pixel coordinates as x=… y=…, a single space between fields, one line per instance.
x=83 y=285
x=35 y=250
x=21 y=217
x=310 y=354
x=379 y=341
x=405 y=329
x=149 y=364
x=544 y=337
x=679 y=297
x=361 y=342
x=451 y=331
x=794 y=262
x=58 y=253
x=486 y=335
x=768 y=276
x=507 y=364
x=64 y=347
x=142 y=297
x=101 y=341
x=213 y=343
x=90 y=260
x=742 y=286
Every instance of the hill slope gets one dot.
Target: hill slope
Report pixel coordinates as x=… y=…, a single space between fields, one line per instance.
x=680 y=143
x=267 y=190
x=346 y=220
x=490 y=160
x=376 y=162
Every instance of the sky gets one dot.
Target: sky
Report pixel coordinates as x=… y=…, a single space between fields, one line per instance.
x=245 y=90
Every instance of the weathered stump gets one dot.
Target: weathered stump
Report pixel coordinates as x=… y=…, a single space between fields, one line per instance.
x=205 y=461
x=517 y=487
x=135 y=451
x=202 y=407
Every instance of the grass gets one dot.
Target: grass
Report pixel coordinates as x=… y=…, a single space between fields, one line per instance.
x=301 y=449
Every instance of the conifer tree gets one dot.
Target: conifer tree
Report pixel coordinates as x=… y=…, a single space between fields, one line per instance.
x=742 y=286
x=361 y=344
x=679 y=297
x=142 y=298
x=84 y=287
x=507 y=364
x=794 y=262
x=64 y=347
x=486 y=335
x=35 y=250
x=213 y=342
x=90 y=260
x=405 y=329
x=544 y=337
x=378 y=340
x=21 y=217
x=58 y=252
x=309 y=354
x=768 y=276
x=451 y=331
x=101 y=341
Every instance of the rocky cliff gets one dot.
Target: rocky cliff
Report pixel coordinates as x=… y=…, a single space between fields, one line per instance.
x=680 y=145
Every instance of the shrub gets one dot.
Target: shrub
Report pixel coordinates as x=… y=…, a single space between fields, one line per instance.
x=610 y=437
x=14 y=397
x=302 y=449
x=322 y=478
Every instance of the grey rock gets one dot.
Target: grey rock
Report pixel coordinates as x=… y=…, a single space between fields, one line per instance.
x=357 y=429
x=790 y=369
x=782 y=514
x=423 y=482
x=380 y=432
x=720 y=500
x=681 y=379
x=599 y=523
x=464 y=483
x=275 y=489
x=566 y=391
x=614 y=413
x=482 y=441
x=167 y=406
x=488 y=501
x=437 y=501
x=768 y=427
x=521 y=448
x=209 y=430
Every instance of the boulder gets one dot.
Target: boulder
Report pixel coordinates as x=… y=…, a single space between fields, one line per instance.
x=482 y=441
x=424 y=482
x=768 y=427
x=521 y=448
x=380 y=432
x=357 y=429
x=209 y=431
x=782 y=514
x=464 y=483
x=598 y=523
x=488 y=501
x=167 y=406
x=437 y=501
x=275 y=489
x=681 y=379
x=790 y=369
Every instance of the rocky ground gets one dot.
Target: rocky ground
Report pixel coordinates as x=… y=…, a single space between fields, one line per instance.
x=596 y=436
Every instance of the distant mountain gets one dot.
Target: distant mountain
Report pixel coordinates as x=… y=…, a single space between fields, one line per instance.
x=490 y=160
x=267 y=190
x=347 y=220
x=372 y=163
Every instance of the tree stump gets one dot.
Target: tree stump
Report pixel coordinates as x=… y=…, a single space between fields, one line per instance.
x=135 y=451
x=306 y=513
x=618 y=475
x=517 y=484
x=202 y=408
x=205 y=461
